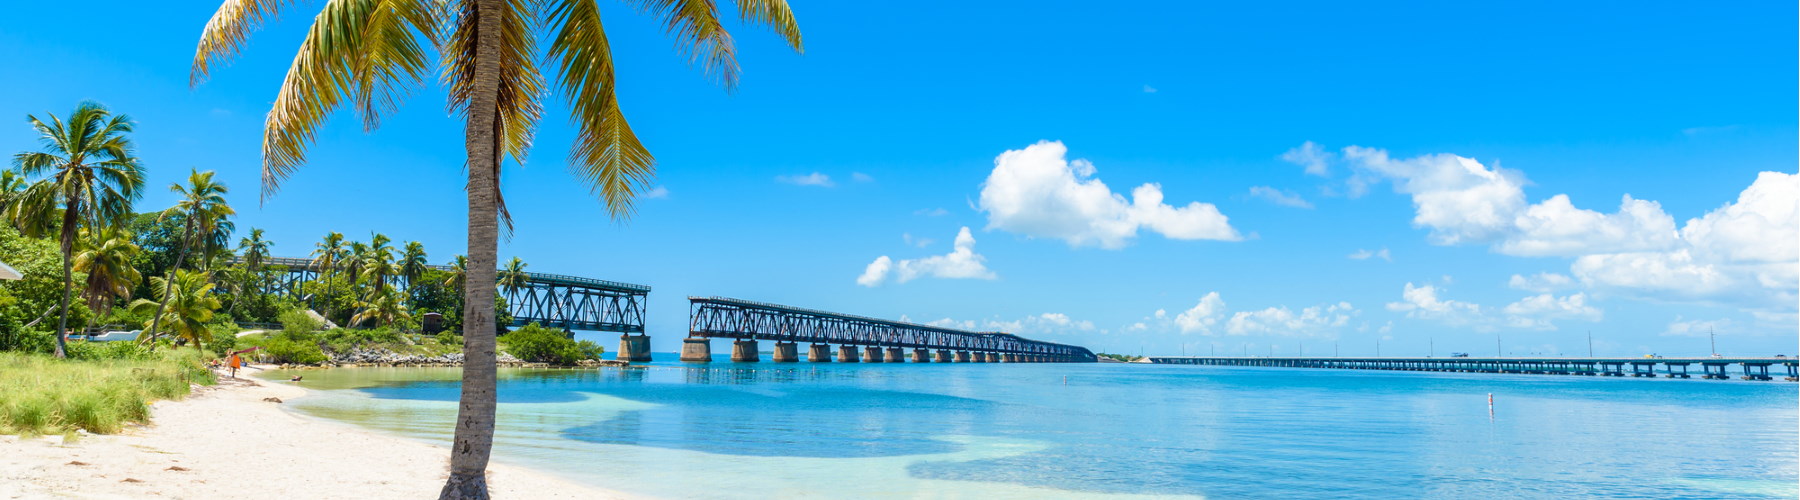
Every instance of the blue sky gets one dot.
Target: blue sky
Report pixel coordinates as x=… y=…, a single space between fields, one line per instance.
x=1440 y=137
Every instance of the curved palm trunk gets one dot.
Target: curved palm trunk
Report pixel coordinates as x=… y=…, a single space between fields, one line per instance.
x=68 y=251
x=169 y=280
x=475 y=415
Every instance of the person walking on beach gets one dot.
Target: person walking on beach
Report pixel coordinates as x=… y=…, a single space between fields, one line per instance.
x=235 y=362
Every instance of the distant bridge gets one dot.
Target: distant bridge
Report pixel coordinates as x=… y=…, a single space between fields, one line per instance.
x=551 y=300
x=1711 y=368
x=883 y=341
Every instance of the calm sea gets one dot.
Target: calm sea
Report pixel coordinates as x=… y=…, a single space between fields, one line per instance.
x=840 y=430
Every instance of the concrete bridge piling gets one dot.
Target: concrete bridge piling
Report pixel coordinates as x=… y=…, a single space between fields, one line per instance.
x=818 y=353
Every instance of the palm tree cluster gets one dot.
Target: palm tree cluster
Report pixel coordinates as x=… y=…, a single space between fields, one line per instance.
x=372 y=285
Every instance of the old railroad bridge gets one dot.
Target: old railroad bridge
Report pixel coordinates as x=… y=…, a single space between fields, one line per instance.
x=576 y=303
x=1711 y=368
x=881 y=341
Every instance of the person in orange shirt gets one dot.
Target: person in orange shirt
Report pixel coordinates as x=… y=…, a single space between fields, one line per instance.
x=235 y=363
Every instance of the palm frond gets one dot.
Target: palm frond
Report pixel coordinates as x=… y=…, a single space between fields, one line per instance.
x=776 y=15
x=698 y=35
x=225 y=33
x=606 y=155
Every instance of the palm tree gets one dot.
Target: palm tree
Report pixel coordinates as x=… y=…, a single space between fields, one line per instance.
x=106 y=255
x=185 y=305
x=514 y=277
x=355 y=258
x=365 y=52
x=379 y=261
x=91 y=175
x=412 y=262
x=326 y=256
x=459 y=272
x=203 y=209
x=382 y=308
x=255 y=249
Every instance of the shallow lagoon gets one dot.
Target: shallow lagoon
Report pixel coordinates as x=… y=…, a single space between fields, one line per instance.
x=729 y=430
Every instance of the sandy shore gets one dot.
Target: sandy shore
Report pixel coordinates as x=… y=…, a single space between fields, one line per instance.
x=226 y=441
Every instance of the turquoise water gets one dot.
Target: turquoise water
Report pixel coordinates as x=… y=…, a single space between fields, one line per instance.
x=755 y=430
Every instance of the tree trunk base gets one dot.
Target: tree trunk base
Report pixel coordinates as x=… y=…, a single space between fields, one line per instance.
x=465 y=486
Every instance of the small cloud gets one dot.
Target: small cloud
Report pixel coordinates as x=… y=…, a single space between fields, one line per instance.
x=932 y=212
x=812 y=179
x=917 y=242
x=1362 y=254
x=1279 y=197
x=1309 y=155
x=656 y=193
x=961 y=263
x=861 y=177
x=1698 y=328
x=1149 y=90
x=1705 y=131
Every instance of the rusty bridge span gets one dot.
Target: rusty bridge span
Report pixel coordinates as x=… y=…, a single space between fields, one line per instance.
x=746 y=322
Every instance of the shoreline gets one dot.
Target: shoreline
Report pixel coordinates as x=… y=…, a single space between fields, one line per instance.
x=227 y=441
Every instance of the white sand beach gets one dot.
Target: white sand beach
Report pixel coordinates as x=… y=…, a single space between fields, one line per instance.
x=226 y=441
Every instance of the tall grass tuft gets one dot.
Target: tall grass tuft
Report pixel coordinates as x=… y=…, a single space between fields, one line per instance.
x=41 y=395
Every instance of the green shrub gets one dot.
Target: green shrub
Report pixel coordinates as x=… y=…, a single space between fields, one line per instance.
x=296 y=324
x=537 y=344
x=590 y=349
x=300 y=352
x=95 y=351
x=42 y=395
x=345 y=339
x=448 y=338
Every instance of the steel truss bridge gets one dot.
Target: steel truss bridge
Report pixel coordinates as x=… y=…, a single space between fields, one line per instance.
x=717 y=317
x=1712 y=368
x=551 y=300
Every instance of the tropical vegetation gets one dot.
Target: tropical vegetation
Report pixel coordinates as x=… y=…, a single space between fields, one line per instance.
x=365 y=53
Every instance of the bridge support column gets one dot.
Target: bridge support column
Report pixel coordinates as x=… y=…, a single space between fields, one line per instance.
x=943 y=356
x=786 y=352
x=921 y=356
x=848 y=354
x=696 y=350
x=962 y=356
x=634 y=348
x=1009 y=358
x=871 y=354
x=896 y=355
x=819 y=353
x=744 y=351
x=993 y=357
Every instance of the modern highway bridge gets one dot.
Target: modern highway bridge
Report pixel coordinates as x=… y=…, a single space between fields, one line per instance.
x=551 y=300
x=1710 y=368
x=746 y=322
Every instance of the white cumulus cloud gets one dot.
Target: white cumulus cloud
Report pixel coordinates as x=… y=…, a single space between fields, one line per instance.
x=1423 y=302
x=1541 y=282
x=1315 y=159
x=1203 y=316
x=1538 y=312
x=961 y=263
x=1309 y=322
x=1698 y=328
x=1039 y=193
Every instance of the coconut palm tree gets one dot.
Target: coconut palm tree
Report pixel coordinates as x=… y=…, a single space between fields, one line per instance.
x=412 y=262
x=514 y=278
x=204 y=211
x=364 y=52
x=326 y=257
x=186 y=303
x=356 y=257
x=459 y=271
x=255 y=249
x=105 y=255
x=382 y=308
x=379 y=261
x=90 y=174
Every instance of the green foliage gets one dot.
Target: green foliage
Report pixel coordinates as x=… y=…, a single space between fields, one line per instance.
x=449 y=339
x=283 y=349
x=42 y=395
x=94 y=351
x=590 y=349
x=342 y=340
x=537 y=344
x=1125 y=358
x=40 y=261
x=297 y=324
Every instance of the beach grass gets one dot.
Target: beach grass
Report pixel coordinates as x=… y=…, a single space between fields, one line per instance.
x=41 y=395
